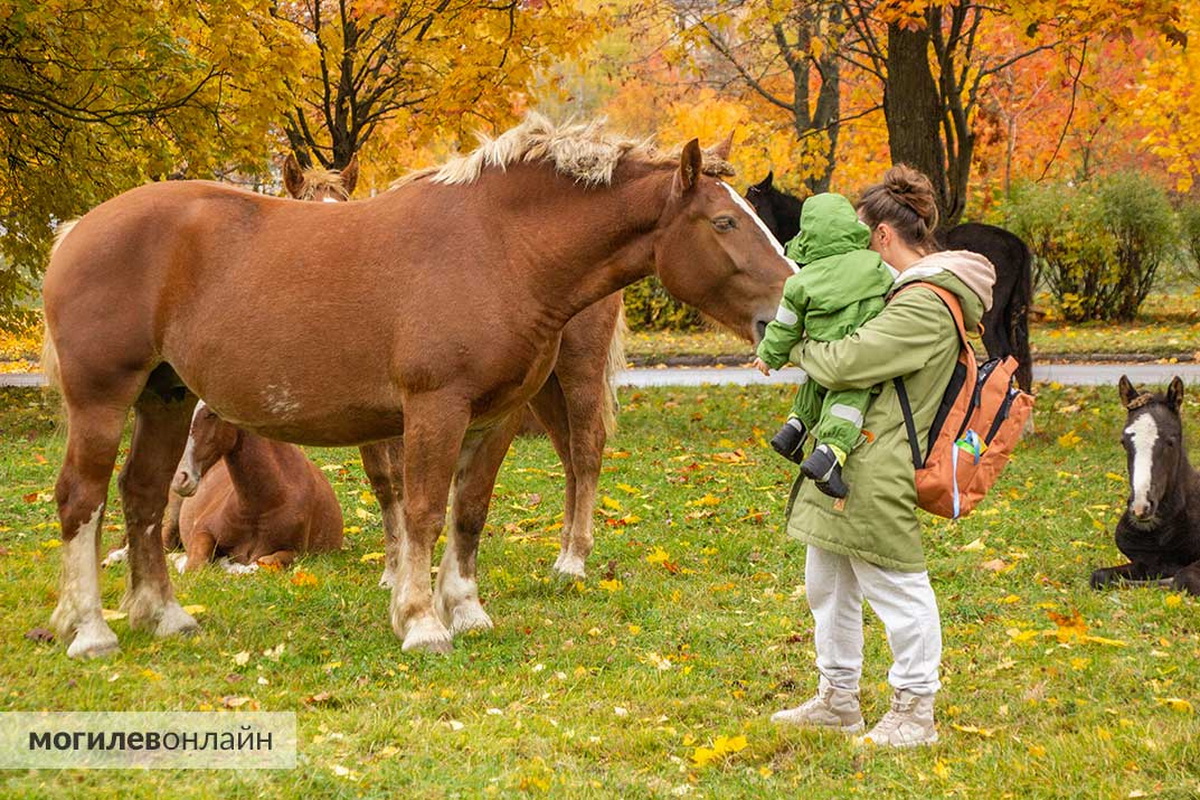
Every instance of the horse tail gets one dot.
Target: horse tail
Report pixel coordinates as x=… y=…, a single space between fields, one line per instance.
x=49 y=354
x=614 y=365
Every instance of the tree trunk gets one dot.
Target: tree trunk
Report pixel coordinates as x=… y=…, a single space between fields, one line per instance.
x=913 y=110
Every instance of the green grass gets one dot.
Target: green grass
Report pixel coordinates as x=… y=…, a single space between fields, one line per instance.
x=606 y=689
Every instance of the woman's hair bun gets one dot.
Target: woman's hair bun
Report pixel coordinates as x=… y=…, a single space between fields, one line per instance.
x=911 y=188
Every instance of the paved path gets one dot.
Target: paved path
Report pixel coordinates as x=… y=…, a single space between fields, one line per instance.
x=1067 y=374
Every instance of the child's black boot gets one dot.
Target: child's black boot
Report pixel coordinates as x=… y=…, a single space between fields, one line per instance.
x=789 y=442
x=823 y=468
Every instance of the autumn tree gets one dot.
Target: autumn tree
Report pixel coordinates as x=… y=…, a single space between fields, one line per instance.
x=98 y=97
x=934 y=64
x=424 y=66
x=787 y=55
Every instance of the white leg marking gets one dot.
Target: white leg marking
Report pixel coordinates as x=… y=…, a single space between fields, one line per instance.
x=1144 y=435
x=456 y=597
x=147 y=608
x=116 y=556
x=78 y=612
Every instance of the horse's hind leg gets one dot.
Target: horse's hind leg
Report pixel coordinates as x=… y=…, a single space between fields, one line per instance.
x=456 y=595
x=94 y=434
x=550 y=407
x=384 y=464
x=160 y=432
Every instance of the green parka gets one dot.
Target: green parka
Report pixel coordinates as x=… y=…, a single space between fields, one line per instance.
x=913 y=337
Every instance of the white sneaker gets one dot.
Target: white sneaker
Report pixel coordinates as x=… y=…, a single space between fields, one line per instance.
x=830 y=708
x=908 y=724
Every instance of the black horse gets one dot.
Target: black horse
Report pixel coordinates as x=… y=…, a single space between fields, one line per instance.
x=1160 y=530
x=1005 y=326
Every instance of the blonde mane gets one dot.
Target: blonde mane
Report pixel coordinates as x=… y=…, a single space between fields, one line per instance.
x=317 y=178
x=584 y=152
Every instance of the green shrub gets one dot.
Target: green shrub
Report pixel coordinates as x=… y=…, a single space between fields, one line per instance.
x=649 y=307
x=1189 y=229
x=1098 y=247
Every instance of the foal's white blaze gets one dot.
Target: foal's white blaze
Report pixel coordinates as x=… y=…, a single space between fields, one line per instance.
x=1143 y=434
x=187 y=464
x=749 y=209
x=330 y=200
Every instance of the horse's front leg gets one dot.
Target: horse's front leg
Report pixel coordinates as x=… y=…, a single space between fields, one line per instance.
x=384 y=464
x=457 y=591
x=434 y=426
x=1188 y=579
x=1132 y=573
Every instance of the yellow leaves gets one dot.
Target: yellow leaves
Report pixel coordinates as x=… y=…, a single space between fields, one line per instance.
x=242 y=658
x=1177 y=704
x=611 y=586
x=111 y=614
x=941 y=770
x=1173 y=600
x=371 y=558
x=608 y=502
x=659 y=556
x=706 y=500
x=722 y=747
x=659 y=662
x=731 y=457
x=986 y=733
x=195 y=609
x=1069 y=440
x=1112 y=476
x=1068 y=629
x=302 y=578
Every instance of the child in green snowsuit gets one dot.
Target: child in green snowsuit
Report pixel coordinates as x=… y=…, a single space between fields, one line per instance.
x=841 y=286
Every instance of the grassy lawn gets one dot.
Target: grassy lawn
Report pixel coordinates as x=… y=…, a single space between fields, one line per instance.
x=691 y=626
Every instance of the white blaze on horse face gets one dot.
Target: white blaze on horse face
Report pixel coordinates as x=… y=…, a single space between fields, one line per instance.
x=1143 y=435
x=330 y=200
x=749 y=209
x=187 y=464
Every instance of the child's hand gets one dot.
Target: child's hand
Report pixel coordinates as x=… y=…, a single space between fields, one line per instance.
x=761 y=366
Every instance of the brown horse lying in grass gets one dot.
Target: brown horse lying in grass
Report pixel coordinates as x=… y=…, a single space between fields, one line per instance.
x=433 y=311
x=576 y=405
x=249 y=498
x=1160 y=530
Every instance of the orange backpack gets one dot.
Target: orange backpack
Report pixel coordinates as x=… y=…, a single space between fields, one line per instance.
x=978 y=423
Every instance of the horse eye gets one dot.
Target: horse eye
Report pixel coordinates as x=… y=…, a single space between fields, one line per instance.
x=724 y=223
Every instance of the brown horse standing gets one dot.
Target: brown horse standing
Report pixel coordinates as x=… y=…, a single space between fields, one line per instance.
x=250 y=498
x=436 y=319
x=576 y=406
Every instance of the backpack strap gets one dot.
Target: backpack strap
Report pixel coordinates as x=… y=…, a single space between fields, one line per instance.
x=954 y=306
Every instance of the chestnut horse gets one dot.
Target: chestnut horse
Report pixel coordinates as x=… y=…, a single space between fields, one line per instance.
x=576 y=407
x=252 y=499
x=433 y=310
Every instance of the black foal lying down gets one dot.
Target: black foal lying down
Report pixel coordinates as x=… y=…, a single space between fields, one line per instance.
x=1160 y=530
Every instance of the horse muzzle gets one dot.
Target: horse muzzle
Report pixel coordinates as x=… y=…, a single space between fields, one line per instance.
x=185 y=483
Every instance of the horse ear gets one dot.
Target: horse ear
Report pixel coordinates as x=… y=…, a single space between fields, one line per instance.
x=768 y=181
x=1126 y=390
x=350 y=175
x=293 y=176
x=721 y=151
x=1175 y=393
x=689 y=165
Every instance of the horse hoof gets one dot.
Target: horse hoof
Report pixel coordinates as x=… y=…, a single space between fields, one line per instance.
x=570 y=567
x=115 y=557
x=94 y=640
x=175 y=621
x=470 y=617
x=428 y=635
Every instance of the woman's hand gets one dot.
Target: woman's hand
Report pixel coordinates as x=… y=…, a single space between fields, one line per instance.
x=761 y=366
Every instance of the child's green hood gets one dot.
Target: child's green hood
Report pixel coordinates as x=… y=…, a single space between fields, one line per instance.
x=829 y=226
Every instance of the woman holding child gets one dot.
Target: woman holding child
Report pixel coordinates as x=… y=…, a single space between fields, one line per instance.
x=868 y=543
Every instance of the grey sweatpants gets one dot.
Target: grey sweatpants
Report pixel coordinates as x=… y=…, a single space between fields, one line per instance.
x=903 y=601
